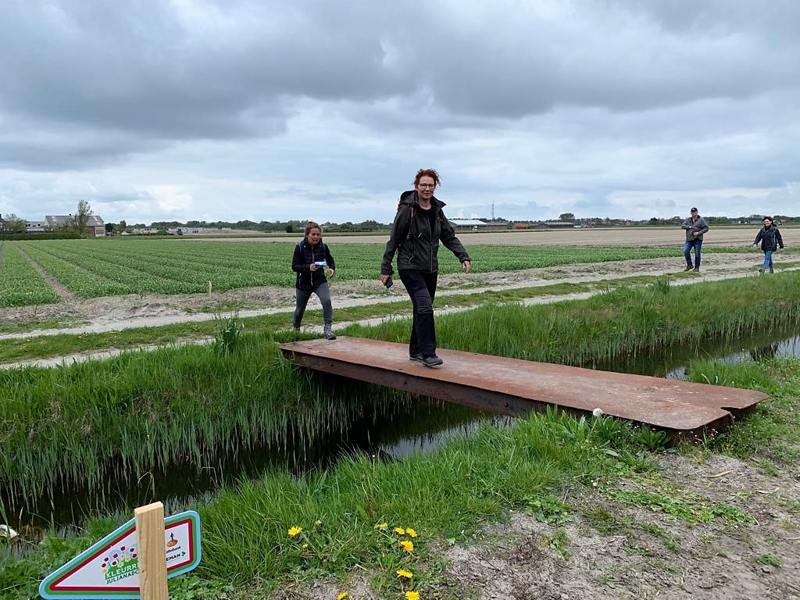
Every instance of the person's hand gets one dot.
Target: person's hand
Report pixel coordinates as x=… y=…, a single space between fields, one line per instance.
x=695 y=233
x=755 y=245
x=467 y=264
x=384 y=278
x=331 y=272
x=312 y=267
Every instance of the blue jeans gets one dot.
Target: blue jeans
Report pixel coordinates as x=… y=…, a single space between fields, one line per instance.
x=324 y=295
x=687 y=248
x=767 y=260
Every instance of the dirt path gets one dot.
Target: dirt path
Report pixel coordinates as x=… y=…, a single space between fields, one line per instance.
x=116 y=313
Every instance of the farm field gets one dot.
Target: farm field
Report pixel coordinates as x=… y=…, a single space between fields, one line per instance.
x=20 y=284
x=98 y=268
x=740 y=236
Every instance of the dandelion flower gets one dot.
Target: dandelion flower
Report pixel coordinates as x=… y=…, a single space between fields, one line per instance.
x=407 y=546
x=404 y=573
x=597 y=412
x=381 y=526
x=399 y=531
x=295 y=531
x=343 y=595
x=304 y=546
x=412 y=595
x=411 y=532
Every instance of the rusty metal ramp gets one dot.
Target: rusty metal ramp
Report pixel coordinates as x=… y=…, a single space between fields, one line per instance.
x=514 y=387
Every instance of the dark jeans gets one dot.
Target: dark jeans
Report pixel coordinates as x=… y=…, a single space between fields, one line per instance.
x=421 y=287
x=687 y=249
x=324 y=295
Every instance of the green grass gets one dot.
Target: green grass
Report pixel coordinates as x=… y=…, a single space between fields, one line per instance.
x=148 y=409
x=772 y=434
x=623 y=322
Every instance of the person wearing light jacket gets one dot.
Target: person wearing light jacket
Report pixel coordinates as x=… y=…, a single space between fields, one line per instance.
x=419 y=226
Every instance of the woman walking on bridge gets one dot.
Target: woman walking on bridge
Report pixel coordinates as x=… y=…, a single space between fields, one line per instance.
x=418 y=227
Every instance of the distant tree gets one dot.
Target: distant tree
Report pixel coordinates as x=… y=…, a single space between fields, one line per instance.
x=81 y=218
x=122 y=226
x=566 y=217
x=289 y=228
x=15 y=225
x=110 y=227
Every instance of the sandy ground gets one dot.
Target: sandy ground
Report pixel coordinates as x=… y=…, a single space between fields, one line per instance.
x=631 y=552
x=115 y=313
x=618 y=236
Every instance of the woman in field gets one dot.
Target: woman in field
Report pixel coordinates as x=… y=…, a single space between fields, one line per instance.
x=771 y=241
x=418 y=227
x=311 y=258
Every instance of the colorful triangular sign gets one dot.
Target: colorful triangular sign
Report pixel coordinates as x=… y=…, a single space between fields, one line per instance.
x=110 y=568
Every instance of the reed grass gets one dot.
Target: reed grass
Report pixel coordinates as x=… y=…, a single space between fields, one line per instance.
x=624 y=322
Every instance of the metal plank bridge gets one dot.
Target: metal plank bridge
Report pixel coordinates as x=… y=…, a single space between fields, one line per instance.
x=515 y=387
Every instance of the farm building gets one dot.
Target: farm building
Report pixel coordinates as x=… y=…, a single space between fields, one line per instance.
x=95 y=227
x=468 y=224
x=35 y=226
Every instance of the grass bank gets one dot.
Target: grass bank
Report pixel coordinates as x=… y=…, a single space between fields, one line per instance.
x=347 y=514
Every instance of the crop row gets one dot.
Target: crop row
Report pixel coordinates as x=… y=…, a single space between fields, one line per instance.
x=20 y=284
x=101 y=267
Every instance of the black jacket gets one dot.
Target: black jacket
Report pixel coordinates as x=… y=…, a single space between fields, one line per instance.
x=304 y=255
x=416 y=243
x=770 y=238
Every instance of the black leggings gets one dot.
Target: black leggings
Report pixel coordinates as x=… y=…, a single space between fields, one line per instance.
x=421 y=287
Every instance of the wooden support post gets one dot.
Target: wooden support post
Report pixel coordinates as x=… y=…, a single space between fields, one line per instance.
x=152 y=552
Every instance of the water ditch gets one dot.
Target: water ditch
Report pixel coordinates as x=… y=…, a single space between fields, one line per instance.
x=390 y=429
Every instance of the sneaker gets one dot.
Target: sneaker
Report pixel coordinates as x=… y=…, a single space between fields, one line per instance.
x=432 y=361
x=688 y=268
x=696 y=269
x=328 y=332
x=415 y=357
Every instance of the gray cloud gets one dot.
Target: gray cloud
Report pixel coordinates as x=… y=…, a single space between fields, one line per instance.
x=337 y=105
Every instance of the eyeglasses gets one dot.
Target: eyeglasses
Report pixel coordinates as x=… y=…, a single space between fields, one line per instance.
x=426 y=185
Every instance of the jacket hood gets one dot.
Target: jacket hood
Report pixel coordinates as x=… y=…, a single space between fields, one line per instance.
x=410 y=198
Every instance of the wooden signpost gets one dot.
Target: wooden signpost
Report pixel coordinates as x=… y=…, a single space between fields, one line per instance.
x=134 y=561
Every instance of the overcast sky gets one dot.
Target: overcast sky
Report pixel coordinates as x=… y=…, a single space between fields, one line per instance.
x=239 y=109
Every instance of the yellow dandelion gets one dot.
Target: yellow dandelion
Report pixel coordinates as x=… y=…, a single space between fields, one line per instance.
x=381 y=526
x=304 y=546
x=343 y=595
x=399 y=531
x=404 y=573
x=412 y=595
x=407 y=546
x=411 y=532
x=295 y=531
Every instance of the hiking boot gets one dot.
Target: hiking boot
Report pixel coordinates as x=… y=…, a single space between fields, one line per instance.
x=696 y=269
x=688 y=268
x=328 y=332
x=432 y=361
x=415 y=357
x=771 y=270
